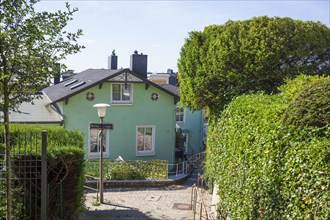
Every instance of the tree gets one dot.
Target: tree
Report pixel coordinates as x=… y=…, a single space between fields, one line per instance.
x=240 y=57
x=31 y=43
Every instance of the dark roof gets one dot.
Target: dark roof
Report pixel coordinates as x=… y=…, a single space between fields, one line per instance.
x=174 y=89
x=88 y=79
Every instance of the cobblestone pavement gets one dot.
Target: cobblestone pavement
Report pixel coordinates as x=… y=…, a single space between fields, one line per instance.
x=168 y=202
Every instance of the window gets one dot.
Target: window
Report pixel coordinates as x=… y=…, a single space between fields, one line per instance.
x=121 y=93
x=179 y=114
x=145 y=140
x=94 y=149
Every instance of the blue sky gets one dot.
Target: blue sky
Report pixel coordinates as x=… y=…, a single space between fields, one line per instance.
x=159 y=28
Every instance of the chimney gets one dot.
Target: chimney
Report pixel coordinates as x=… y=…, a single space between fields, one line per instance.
x=139 y=63
x=169 y=71
x=57 y=74
x=112 y=61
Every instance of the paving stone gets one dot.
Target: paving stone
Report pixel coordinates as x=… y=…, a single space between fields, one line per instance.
x=162 y=202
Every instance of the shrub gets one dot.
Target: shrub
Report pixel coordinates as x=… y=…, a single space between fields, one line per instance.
x=241 y=143
x=125 y=171
x=305 y=187
x=137 y=169
x=65 y=171
x=312 y=106
x=267 y=169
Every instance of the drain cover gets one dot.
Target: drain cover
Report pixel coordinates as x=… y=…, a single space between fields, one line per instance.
x=181 y=206
x=152 y=198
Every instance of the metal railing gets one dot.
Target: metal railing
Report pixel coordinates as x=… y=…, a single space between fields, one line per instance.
x=198 y=200
x=26 y=194
x=185 y=167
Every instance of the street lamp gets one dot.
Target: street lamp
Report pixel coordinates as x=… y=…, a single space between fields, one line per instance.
x=101 y=110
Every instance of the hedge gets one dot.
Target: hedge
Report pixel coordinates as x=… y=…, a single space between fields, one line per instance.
x=65 y=169
x=267 y=169
x=123 y=170
x=311 y=107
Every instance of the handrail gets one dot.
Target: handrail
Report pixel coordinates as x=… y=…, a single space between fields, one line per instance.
x=185 y=167
x=197 y=197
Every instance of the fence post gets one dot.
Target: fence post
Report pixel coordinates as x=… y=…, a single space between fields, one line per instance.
x=44 y=175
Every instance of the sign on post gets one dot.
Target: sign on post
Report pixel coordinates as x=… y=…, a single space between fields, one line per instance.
x=101 y=125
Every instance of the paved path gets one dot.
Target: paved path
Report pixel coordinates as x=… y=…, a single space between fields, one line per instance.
x=168 y=203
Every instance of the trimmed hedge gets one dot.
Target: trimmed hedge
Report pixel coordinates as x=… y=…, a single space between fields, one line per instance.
x=65 y=170
x=266 y=169
x=128 y=170
x=311 y=107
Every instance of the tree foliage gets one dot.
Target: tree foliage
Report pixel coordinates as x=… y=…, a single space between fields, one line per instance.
x=31 y=43
x=240 y=57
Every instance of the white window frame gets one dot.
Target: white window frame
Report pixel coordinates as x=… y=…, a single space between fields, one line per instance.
x=146 y=152
x=121 y=102
x=94 y=140
x=177 y=111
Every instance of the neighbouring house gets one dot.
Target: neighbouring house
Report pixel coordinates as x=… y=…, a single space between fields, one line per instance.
x=169 y=77
x=189 y=125
x=146 y=116
x=38 y=112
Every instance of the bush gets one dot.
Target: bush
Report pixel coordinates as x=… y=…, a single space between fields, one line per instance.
x=125 y=171
x=242 y=157
x=57 y=136
x=305 y=185
x=65 y=171
x=312 y=106
x=137 y=169
x=267 y=169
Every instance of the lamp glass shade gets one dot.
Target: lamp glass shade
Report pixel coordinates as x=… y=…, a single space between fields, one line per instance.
x=101 y=109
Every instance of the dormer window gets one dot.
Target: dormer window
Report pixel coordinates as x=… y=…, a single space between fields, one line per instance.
x=121 y=93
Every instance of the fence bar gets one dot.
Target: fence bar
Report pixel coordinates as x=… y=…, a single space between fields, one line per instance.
x=61 y=197
x=44 y=176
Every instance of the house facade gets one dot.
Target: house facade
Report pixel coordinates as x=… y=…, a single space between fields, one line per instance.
x=189 y=127
x=189 y=124
x=147 y=117
x=142 y=113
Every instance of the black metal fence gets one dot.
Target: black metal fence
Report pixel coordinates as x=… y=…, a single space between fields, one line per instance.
x=26 y=196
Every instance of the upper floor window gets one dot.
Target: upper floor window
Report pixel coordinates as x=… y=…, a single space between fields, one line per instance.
x=121 y=93
x=179 y=114
x=145 y=140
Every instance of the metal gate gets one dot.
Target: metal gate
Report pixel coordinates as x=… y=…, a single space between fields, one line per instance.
x=26 y=196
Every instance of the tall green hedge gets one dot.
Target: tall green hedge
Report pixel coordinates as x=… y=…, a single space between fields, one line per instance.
x=65 y=170
x=311 y=107
x=267 y=169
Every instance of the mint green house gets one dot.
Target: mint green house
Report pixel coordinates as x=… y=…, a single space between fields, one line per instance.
x=190 y=128
x=143 y=113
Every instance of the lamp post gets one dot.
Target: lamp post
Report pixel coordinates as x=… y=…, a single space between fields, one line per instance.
x=101 y=110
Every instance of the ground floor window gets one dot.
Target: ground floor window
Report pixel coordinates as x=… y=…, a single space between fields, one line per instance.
x=94 y=143
x=145 y=140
